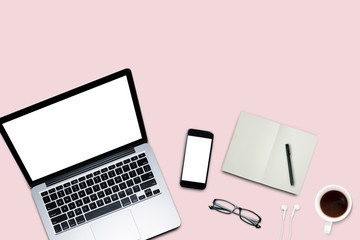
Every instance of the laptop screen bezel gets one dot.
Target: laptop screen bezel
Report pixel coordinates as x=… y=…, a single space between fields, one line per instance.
x=65 y=95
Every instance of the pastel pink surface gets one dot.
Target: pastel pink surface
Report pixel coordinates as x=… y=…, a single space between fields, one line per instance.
x=197 y=64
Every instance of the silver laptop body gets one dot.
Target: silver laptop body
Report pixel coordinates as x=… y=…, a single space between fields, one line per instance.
x=85 y=155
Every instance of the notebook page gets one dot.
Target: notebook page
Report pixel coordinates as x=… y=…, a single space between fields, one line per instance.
x=302 y=146
x=250 y=147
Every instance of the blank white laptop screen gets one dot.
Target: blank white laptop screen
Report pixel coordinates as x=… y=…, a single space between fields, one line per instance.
x=75 y=129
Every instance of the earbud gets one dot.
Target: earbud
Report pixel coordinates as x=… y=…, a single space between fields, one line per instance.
x=296 y=207
x=284 y=208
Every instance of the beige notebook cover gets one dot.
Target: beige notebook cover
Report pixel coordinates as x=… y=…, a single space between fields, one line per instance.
x=257 y=152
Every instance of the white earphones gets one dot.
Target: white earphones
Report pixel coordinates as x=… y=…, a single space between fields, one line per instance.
x=296 y=207
x=284 y=208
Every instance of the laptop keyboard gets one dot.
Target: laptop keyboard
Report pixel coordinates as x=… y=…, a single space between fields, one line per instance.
x=100 y=192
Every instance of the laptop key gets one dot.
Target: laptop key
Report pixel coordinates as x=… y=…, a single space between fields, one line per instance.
x=100 y=203
x=133 y=198
x=57 y=228
x=67 y=199
x=96 y=188
x=44 y=193
x=136 y=188
x=64 y=225
x=50 y=206
x=64 y=209
x=86 y=200
x=141 y=197
x=101 y=194
x=147 y=176
x=78 y=211
x=82 y=185
x=68 y=191
x=129 y=191
x=61 y=194
x=122 y=186
x=55 y=212
x=115 y=189
x=125 y=176
x=89 y=191
x=108 y=191
x=97 y=179
x=53 y=196
x=118 y=171
x=111 y=174
x=72 y=223
x=126 y=168
x=148 y=193
x=71 y=205
x=90 y=182
x=59 y=219
x=85 y=209
x=104 y=177
x=60 y=202
x=156 y=191
x=110 y=182
x=46 y=199
x=142 y=162
x=122 y=194
x=92 y=206
x=141 y=155
x=147 y=168
x=125 y=201
x=80 y=219
x=148 y=184
x=103 y=210
x=82 y=194
x=71 y=214
x=133 y=165
x=114 y=197
x=74 y=196
x=107 y=200
x=75 y=188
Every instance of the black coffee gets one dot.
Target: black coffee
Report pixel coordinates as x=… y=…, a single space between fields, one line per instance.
x=333 y=203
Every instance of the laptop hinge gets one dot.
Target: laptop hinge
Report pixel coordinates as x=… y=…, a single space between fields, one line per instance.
x=90 y=166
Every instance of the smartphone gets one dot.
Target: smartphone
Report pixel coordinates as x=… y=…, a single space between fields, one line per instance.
x=196 y=160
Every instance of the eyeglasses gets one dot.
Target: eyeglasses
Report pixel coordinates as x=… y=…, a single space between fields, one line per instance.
x=245 y=215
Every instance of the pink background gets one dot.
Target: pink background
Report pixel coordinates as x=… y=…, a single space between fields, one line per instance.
x=197 y=64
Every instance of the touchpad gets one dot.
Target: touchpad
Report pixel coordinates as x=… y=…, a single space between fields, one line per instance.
x=116 y=227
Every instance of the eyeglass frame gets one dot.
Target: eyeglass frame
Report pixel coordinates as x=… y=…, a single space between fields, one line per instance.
x=218 y=207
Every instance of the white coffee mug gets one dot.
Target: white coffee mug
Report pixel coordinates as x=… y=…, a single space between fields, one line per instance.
x=329 y=220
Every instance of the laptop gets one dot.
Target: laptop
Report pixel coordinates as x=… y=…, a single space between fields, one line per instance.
x=86 y=158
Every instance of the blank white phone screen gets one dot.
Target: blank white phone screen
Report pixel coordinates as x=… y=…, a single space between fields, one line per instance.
x=196 y=159
x=75 y=129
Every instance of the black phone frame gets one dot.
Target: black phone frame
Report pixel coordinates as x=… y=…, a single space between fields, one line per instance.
x=203 y=134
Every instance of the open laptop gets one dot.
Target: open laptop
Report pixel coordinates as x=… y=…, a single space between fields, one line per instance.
x=85 y=155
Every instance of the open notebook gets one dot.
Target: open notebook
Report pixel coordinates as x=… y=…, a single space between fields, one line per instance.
x=257 y=152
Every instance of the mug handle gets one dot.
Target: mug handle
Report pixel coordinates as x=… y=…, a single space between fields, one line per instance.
x=327 y=227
